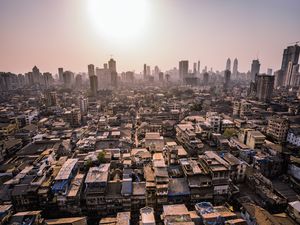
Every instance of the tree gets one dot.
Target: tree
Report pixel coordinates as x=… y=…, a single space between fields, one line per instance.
x=89 y=163
x=229 y=132
x=101 y=157
x=196 y=107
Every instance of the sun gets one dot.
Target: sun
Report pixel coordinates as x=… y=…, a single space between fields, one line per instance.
x=118 y=19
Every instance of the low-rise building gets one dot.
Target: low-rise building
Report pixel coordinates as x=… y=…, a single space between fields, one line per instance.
x=173 y=214
x=294 y=210
x=255 y=139
x=237 y=168
x=219 y=170
x=147 y=216
x=95 y=189
x=293 y=136
x=67 y=221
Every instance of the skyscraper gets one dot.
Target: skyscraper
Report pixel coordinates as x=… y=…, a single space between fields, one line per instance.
x=114 y=79
x=227 y=78
x=228 y=64
x=156 y=71
x=279 y=76
x=94 y=85
x=183 y=69
x=198 y=69
x=161 y=76
x=145 y=72
x=93 y=79
x=205 y=78
x=112 y=65
x=290 y=58
x=290 y=54
x=48 y=79
x=255 y=67
x=68 y=78
x=83 y=104
x=60 y=74
x=51 y=98
x=291 y=75
x=78 y=81
x=91 y=70
x=264 y=87
x=235 y=68
x=148 y=71
x=195 y=68
x=36 y=75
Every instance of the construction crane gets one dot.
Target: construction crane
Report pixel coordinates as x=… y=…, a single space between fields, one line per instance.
x=296 y=43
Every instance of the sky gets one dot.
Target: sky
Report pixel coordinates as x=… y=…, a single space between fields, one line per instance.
x=74 y=33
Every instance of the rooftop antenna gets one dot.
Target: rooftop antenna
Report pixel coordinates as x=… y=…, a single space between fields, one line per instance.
x=257 y=54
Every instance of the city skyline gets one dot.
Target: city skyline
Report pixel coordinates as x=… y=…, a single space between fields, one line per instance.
x=149 y=112
x=63 y=35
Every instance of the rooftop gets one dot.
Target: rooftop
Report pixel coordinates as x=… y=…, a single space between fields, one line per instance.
x=66 y=169
x=98 y=174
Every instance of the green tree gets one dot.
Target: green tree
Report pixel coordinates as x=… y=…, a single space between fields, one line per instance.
x=89 y=163
x=101 y=157
x=196 y=107
x=229 y=132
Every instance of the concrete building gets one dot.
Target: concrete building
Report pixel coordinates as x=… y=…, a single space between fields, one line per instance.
x=67 y=221
x=290 y=58
x=154 y=142
x=173 y=214
x=237 y=168
x=255 y=68
x=278 y=128
x=93 y=85
x=293 y=136
x=51 y=98
x=219 y=170
x=96 y=183
x=235 y=69
x=227 y=76
x=264 y=87
x=183 y=69
x=228 y=65
x=73 y=117
x=255 y=139
x=242 y=108
x=147 y=216
x=214 y=121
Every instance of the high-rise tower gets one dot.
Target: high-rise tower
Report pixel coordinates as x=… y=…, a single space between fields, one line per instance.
x=264 y=87
x=228 y=64
x=183 y=69
x=235 y=68
x=112 y=65
x=93 y=79
x=289 y=64
x=255 y=67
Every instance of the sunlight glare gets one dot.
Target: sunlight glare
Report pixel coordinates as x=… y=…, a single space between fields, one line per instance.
x=118 y=19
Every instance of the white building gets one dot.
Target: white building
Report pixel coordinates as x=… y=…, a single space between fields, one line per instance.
x=214 y=121
x=293 y=136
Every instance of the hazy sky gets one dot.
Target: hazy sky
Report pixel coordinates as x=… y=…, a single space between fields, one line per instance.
x=62 y=33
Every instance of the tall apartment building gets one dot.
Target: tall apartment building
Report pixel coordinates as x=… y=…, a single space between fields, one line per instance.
x=278 y=128
x=264 y=87
x=73 y=117
x=183 y=69
x=242 y=108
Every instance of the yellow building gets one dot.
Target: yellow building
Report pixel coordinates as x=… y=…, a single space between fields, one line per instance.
x=7 y=128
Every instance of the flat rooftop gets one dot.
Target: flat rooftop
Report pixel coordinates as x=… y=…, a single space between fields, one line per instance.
x=66 y=169
x=98 y=174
